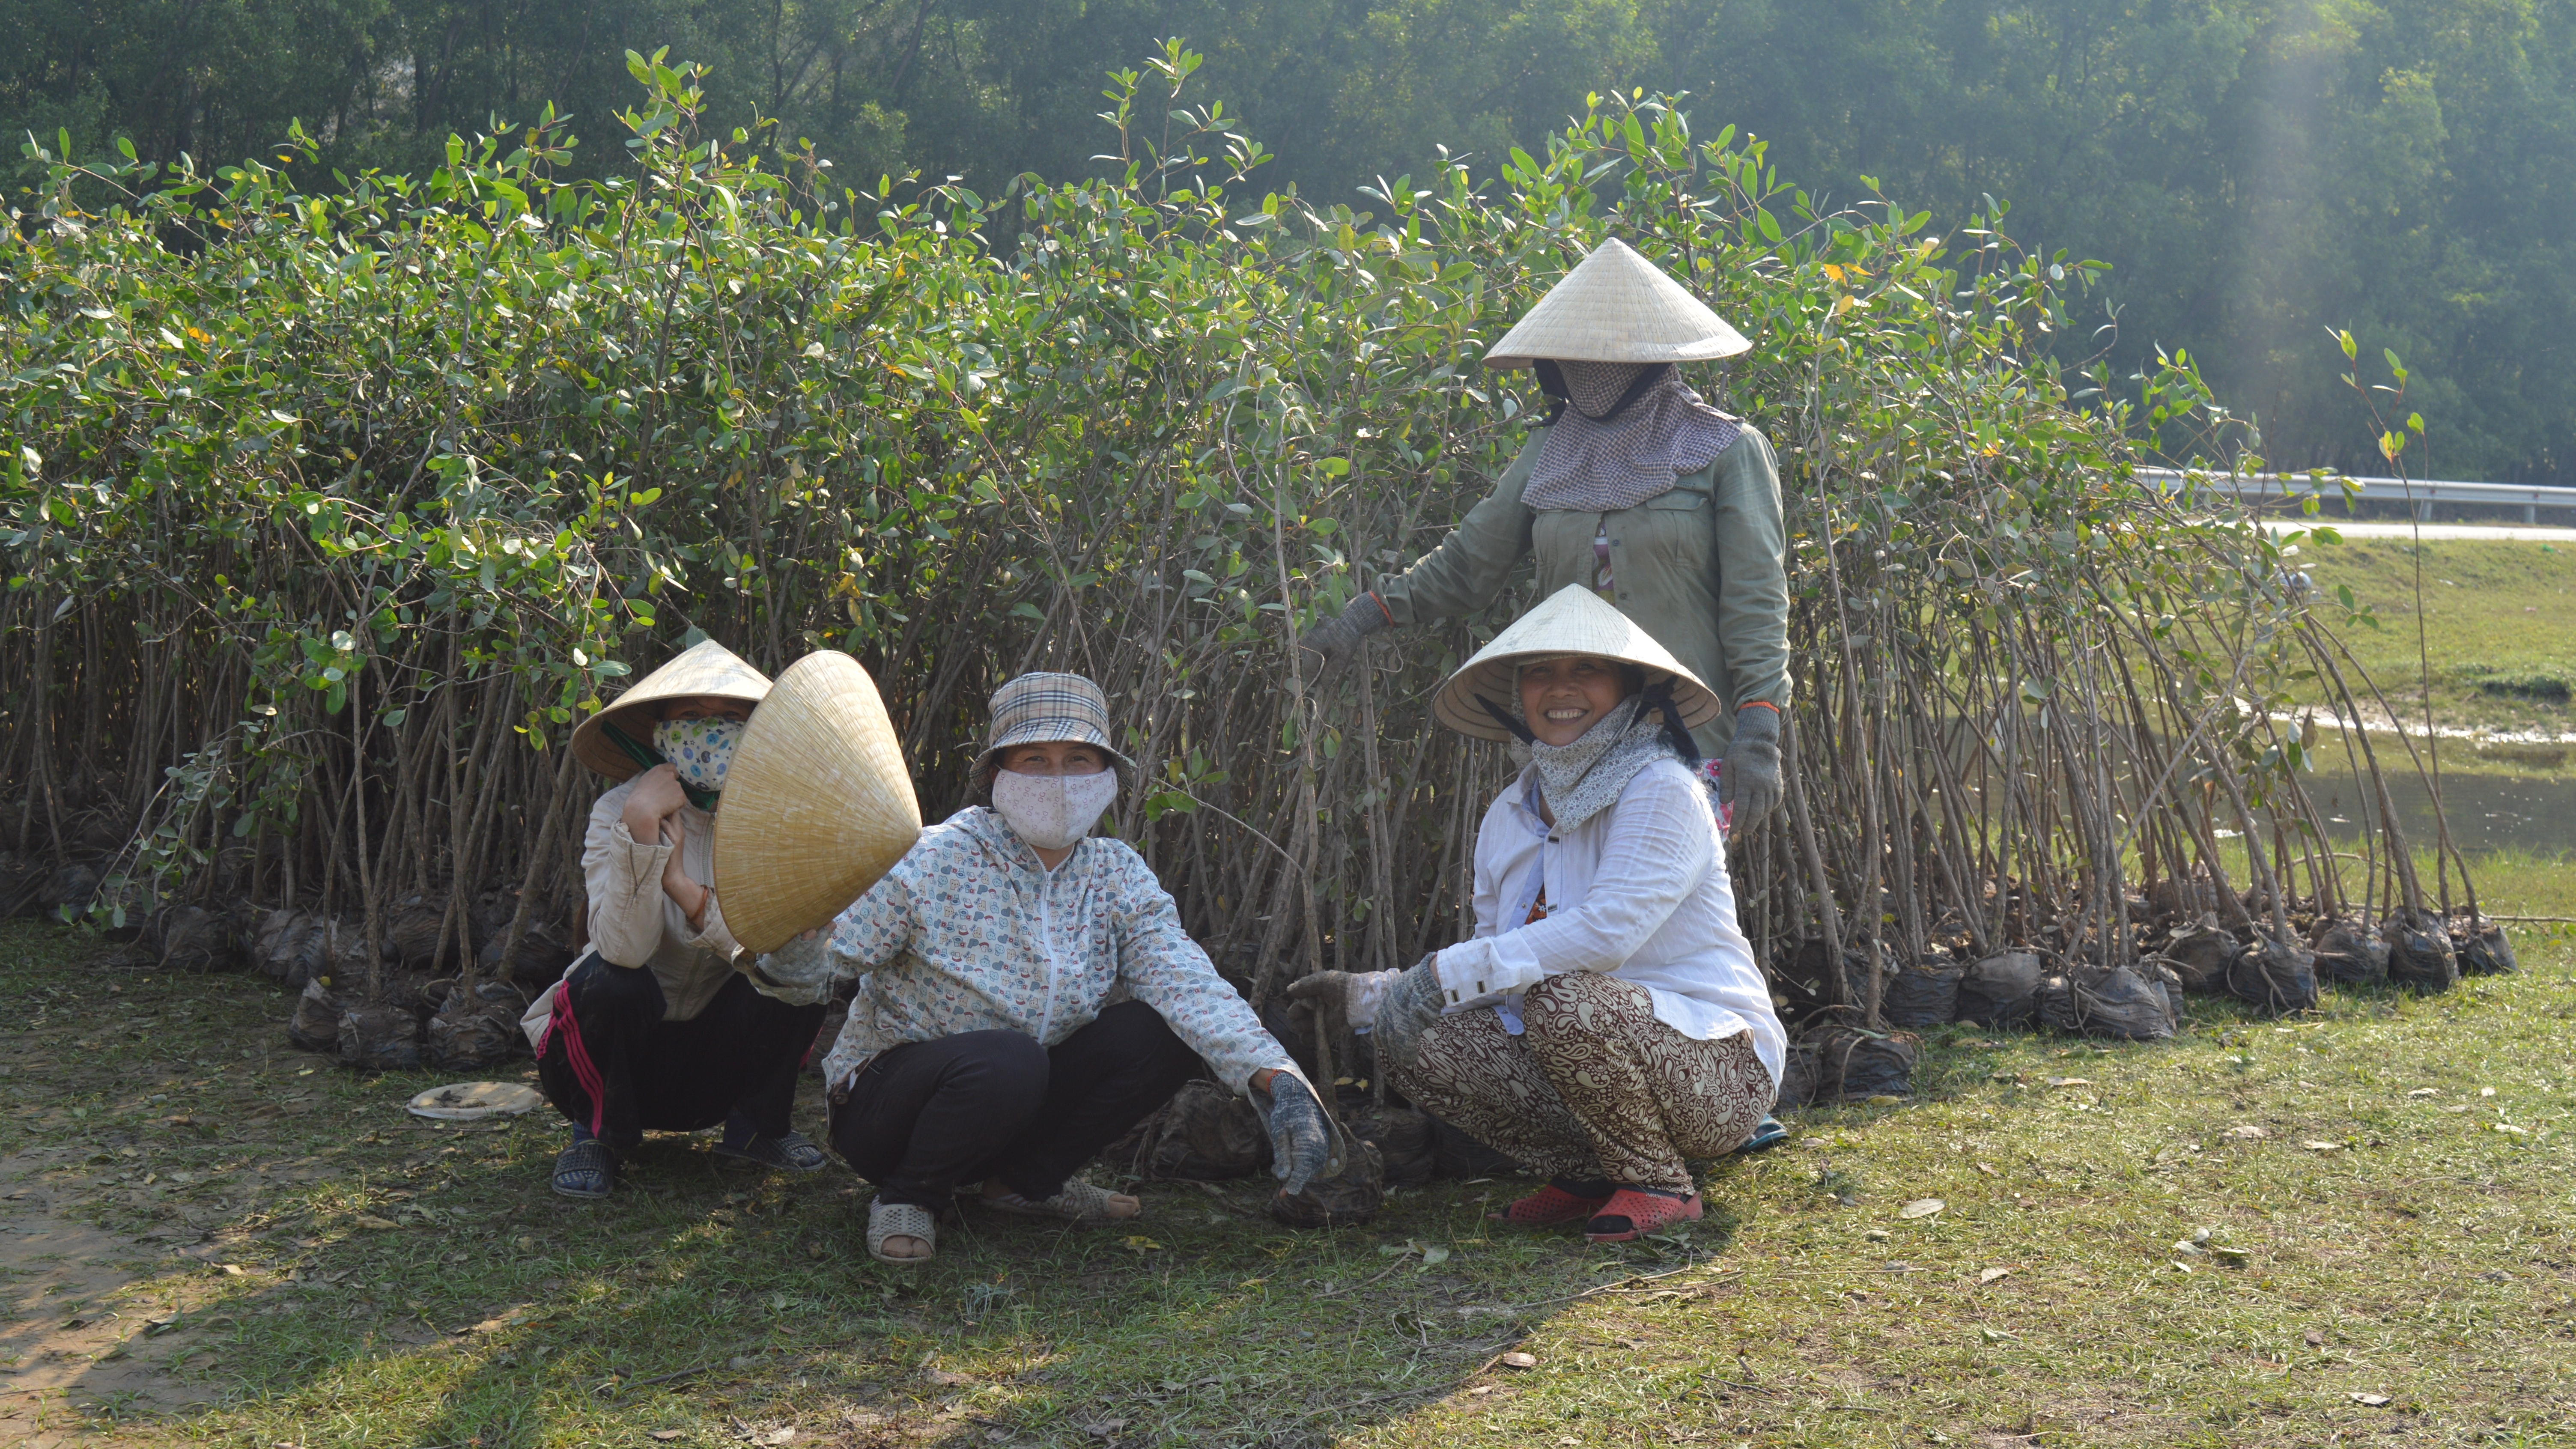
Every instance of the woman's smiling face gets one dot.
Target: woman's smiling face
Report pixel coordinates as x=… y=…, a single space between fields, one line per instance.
x=1563 y=697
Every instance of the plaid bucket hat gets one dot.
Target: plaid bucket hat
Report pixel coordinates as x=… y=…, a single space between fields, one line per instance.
x=1040 y=708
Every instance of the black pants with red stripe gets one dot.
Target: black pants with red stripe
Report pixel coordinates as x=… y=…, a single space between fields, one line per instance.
x=612 y=1064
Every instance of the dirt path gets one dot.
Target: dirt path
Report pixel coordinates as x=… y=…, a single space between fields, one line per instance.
x=78 y=1348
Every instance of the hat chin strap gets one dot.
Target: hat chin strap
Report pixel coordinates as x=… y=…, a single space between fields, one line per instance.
x=1505 y=718
x=1659 y=697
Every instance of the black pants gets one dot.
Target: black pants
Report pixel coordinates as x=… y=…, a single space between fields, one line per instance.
x=614 y=1065
x=994 y=1105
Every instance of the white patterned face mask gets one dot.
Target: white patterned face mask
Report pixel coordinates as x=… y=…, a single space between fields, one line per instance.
x=700 y=749
x=1052 y=811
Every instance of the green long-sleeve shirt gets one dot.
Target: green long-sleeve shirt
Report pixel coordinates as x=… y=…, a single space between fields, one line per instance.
x=1702 y=568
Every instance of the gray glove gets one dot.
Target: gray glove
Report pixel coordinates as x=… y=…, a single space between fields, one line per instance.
x=1750 y=786
x=1328 y=994
x=1411 y=1005
x=1336 y=641
x=1301 y=1145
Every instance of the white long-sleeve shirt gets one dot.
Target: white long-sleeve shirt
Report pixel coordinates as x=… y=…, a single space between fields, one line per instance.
x=1639 y=891
x=634 y=923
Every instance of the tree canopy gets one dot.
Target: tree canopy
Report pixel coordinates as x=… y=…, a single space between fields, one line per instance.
x=2258 y=172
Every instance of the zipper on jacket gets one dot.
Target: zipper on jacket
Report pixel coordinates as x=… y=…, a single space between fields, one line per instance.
x=1046 y=946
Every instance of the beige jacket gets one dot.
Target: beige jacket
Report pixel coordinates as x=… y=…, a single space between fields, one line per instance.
x=634 y=924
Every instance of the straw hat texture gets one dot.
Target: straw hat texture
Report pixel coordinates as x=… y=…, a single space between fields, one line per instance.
x=818 y=803
x=474 y=1101
x=1573 y=621
x=1616 y=306
x=706 y=668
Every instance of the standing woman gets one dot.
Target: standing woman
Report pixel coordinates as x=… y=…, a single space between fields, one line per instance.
x=1634 y=488
x=1606 y=1023
x=656 y=1027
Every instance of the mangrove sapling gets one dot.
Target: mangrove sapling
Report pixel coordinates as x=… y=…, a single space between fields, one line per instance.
x=389 y=487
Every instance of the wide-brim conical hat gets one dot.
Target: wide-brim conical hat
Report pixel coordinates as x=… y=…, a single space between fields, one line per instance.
x=818 y=803
x=1573 y=621
x=1616 y=306
x=705 y=668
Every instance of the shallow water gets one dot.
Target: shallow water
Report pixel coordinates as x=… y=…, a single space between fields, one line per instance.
x=2486 y=812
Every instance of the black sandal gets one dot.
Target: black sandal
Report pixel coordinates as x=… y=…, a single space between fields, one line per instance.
x=586 y=1169
x=786 y=1152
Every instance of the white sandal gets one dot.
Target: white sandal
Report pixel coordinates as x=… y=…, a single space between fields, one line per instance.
x=1078 y=1202
x=899 y=1220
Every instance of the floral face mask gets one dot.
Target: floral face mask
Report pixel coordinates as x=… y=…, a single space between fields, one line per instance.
x=700 y=749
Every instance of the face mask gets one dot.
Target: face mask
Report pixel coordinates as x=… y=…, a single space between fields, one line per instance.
x=1052 y=811
x=700 y=749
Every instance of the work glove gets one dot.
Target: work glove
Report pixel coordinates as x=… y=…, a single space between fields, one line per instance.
x=1301 y=1143
x=1411 y=1005
x=1750 y=785
x=1344 y=1000
x=1337 y=641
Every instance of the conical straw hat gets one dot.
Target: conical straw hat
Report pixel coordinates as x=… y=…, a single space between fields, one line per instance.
x=1573 y=621
x=474 y=1101
x=706 y=668
x=1616 y=306
x=818 y=803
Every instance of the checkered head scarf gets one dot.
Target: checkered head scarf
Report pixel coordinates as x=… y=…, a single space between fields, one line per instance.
x=1620 y=433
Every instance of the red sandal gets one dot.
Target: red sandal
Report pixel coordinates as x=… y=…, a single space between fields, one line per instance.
x=1549 y=1206
x=1632 y=1214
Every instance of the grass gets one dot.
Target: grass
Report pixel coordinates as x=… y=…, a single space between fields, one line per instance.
x=2499 y=624
x=2392 y=1170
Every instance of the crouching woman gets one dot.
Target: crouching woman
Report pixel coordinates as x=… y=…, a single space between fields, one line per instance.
x=1025 y=994
x=656 y=1028
x=1607 y=1021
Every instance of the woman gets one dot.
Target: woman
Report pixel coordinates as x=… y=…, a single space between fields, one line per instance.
x=1634 y=488
x=655 y=1028
x=1606 y=1022
x=1026 y=994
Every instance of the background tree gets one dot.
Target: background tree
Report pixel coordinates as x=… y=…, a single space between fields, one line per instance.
x=2257 y=171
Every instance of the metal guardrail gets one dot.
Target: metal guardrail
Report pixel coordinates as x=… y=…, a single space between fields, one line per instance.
x=2423 y=493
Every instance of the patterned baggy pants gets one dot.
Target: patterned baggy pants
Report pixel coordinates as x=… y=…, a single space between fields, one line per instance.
x=1594 y=1087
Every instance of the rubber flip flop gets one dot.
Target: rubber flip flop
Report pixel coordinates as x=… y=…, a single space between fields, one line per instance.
x=1771 y=1133
x=586 y=1169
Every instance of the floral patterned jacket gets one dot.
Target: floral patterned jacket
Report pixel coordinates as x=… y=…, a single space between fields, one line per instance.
x=969 y=932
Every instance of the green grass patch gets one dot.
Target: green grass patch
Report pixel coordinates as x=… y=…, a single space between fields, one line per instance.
x=2498 y=623
x=2386 y=1251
